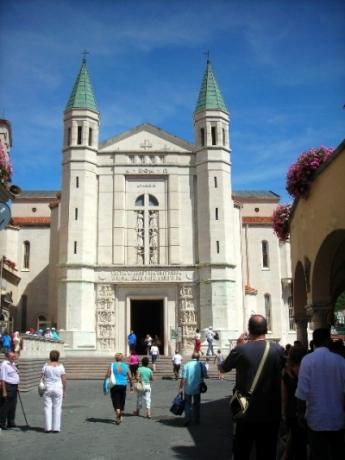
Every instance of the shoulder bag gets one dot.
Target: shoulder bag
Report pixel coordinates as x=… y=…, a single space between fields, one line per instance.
x=203 y=386
x=42 y=386
x=239 y=403
x=139 y=385
x=112 y=379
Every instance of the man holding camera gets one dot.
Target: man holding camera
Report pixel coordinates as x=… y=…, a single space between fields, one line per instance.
x=260 y=423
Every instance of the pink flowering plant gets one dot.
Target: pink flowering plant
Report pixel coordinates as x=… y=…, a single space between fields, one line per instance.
x=280 y=219
x=5 y=166
x=302 y=172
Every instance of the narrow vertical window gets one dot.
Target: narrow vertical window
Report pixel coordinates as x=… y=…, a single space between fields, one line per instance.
x=202 y=136
x=75 y=247
x=26 y=258
x=217 y=245
x=216 y=213
x=80 y=132
x=213 y=135
x=69 y=136
x=268 y=311
x=292 y=323
x=215 y=182
x=90 y=136
x=224 y=140
x=76 y=213
x=265 y=254
x=77 y=182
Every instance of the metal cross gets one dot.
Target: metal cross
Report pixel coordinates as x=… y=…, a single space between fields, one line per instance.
x=85 y=53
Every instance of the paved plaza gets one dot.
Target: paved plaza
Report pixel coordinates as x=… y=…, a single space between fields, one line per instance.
x=89 y=433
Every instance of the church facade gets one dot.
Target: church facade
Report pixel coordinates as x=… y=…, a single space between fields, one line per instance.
x=147 y=235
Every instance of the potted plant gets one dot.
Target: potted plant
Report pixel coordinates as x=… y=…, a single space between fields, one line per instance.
x=302 y=172
x=280 y=220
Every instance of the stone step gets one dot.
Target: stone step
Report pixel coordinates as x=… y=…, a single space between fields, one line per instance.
x=94 y=368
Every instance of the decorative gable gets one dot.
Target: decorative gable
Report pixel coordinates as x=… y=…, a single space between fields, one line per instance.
x=145 y=138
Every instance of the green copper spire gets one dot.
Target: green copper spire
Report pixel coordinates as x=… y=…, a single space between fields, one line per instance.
x=210 y=96
x=82 y=94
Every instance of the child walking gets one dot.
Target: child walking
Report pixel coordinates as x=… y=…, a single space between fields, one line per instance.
x=218 y=360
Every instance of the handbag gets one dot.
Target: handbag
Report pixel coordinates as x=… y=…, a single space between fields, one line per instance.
x=138 y=386
x=178 y=405
x=112 y=378
x=239 y=403
x=42 y=386
x=203 y=386
x=106 y=386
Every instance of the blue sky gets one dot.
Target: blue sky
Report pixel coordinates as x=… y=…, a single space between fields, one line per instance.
x=280 y=66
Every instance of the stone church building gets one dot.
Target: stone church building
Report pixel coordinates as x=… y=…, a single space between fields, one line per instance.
x=147 y=234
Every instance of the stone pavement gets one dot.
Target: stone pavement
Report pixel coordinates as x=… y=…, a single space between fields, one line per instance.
x=89 y=433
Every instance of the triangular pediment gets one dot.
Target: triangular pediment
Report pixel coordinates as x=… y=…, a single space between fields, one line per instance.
x=147 y=138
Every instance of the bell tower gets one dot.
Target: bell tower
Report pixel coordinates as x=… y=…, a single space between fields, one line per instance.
x=78 y=215
x=214 y=207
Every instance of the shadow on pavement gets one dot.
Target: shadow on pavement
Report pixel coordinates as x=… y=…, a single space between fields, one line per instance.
x=212 y=438
x=39 y=429
x=100 y=420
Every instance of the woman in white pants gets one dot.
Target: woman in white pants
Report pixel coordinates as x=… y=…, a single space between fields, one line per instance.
x=54 y=376
x=144 y=375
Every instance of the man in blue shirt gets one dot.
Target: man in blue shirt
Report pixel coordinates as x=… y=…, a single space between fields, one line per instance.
x=132 y=341
x=193 y=374
x=321 y=394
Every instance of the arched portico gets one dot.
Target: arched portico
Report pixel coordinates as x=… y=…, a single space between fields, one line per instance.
x=328 y=280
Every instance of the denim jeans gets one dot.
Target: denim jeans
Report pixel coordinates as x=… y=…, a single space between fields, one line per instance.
x=192 y=407
x=209 y=347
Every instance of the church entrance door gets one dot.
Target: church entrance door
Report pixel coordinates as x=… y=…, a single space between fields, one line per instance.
x=147 y=317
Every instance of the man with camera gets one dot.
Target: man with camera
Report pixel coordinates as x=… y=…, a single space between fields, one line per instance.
x=252 y=358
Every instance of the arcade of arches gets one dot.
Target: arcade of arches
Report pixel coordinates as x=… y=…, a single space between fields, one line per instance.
x=317 y=235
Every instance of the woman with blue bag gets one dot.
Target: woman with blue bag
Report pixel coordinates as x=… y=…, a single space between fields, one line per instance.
x=117 y=378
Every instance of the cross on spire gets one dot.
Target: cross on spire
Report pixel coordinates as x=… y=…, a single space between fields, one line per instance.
x=207 y=53
x=85 y=53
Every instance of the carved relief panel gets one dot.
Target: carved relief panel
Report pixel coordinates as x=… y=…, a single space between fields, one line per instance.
x=105 y=317
x=188 y=317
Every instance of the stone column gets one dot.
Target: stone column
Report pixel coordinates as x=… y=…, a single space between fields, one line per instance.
x=321 y=315
x=302 y=330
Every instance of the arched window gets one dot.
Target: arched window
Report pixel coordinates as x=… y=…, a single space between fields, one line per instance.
x=26 y=255
x=268 y=311
x=153 y=201
x=265 y=254
x=147 y=229
x=139 y=201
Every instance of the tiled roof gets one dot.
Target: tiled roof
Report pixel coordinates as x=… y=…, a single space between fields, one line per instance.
x=28 y=194
x=210 y=96
x=256 y=220
x=82 y=96
x=31 y=221
x=255 y=194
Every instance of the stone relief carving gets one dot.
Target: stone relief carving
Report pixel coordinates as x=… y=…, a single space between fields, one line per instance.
x=188 y=318
x=105 y=317
x=140 y=237
x=146 y=159
x=153 y=229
